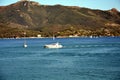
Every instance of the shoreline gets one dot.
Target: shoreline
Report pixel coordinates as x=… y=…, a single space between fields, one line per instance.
x=61 y=37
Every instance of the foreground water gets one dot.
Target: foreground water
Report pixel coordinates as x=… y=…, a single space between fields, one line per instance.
x=79 y=59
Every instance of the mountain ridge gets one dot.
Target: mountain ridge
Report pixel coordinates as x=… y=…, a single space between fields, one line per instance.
x=60 y=20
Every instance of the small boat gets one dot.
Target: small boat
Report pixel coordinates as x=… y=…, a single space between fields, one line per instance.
x=25 y=43
x=54 y=45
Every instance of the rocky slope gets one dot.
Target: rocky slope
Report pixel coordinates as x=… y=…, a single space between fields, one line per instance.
x=59 y=20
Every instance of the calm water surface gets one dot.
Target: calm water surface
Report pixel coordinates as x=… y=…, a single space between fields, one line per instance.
x=79 y=59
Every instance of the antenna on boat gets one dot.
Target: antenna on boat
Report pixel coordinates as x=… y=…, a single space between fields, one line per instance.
x=53 y=37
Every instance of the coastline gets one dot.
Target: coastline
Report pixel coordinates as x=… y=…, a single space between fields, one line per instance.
x=61 y=37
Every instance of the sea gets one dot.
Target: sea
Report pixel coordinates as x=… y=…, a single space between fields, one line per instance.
x=81 y=58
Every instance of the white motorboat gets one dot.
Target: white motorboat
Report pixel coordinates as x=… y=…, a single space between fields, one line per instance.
x=54 y=45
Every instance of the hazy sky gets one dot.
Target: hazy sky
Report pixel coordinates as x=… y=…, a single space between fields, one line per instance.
x=93 y=4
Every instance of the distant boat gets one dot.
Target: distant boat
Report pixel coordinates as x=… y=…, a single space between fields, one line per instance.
x=25 y=43
x=53 y=45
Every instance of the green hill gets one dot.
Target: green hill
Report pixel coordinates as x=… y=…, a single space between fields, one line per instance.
x=59 y=20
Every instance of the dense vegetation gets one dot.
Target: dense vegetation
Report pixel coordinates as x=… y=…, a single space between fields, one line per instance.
x=33 y=18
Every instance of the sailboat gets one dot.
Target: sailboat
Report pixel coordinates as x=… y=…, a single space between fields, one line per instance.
x=25 y=43
x=53 y=45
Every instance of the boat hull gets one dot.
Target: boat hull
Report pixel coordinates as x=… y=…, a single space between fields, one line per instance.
x=55 y=45
x=24 y=45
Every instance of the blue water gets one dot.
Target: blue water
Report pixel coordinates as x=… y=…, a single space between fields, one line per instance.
x=79 y=59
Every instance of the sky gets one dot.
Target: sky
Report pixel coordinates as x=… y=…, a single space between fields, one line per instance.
x=93 y=4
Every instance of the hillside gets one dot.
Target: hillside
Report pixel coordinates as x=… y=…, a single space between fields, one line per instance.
x=47 y=20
